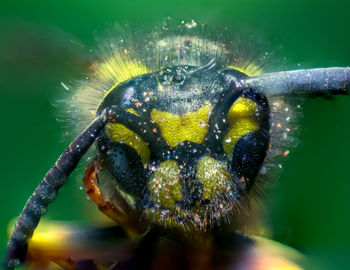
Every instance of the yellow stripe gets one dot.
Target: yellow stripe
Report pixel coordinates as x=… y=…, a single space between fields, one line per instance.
x=242 y=119
x=120 y=134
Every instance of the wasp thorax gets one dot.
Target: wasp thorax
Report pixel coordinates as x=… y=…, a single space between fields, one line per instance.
x=185 y=146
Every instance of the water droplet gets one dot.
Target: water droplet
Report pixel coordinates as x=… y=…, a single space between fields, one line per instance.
x=263 y=170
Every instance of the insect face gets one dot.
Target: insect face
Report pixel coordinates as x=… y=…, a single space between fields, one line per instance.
x=191 y=145
x=183 y=145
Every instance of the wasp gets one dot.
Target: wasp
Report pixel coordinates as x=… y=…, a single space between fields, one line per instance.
x=183 y=129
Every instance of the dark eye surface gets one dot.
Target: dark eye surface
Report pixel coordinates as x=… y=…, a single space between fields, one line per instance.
x=251 y=121
x=124 y=163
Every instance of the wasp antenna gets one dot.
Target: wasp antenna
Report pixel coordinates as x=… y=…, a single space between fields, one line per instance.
x=333 y=80
x=55 y=178
x=45 y=193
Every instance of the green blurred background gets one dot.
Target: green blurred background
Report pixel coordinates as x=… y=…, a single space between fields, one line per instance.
x=43 y=43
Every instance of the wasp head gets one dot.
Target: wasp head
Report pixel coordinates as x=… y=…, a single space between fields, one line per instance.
x=191 y=145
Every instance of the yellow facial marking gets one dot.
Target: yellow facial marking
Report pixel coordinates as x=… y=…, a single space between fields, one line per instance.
x=214 y=177
x=242 y=119
x=175 y=129
x=164 y=185
x=120 y=134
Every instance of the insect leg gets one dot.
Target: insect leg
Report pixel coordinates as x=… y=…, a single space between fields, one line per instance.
x=333 y=80
x=55 y=178
x=124 y=215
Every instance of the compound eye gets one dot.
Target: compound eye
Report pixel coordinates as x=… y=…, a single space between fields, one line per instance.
x=247 y=138
x=123 y=163
x=126 y=156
